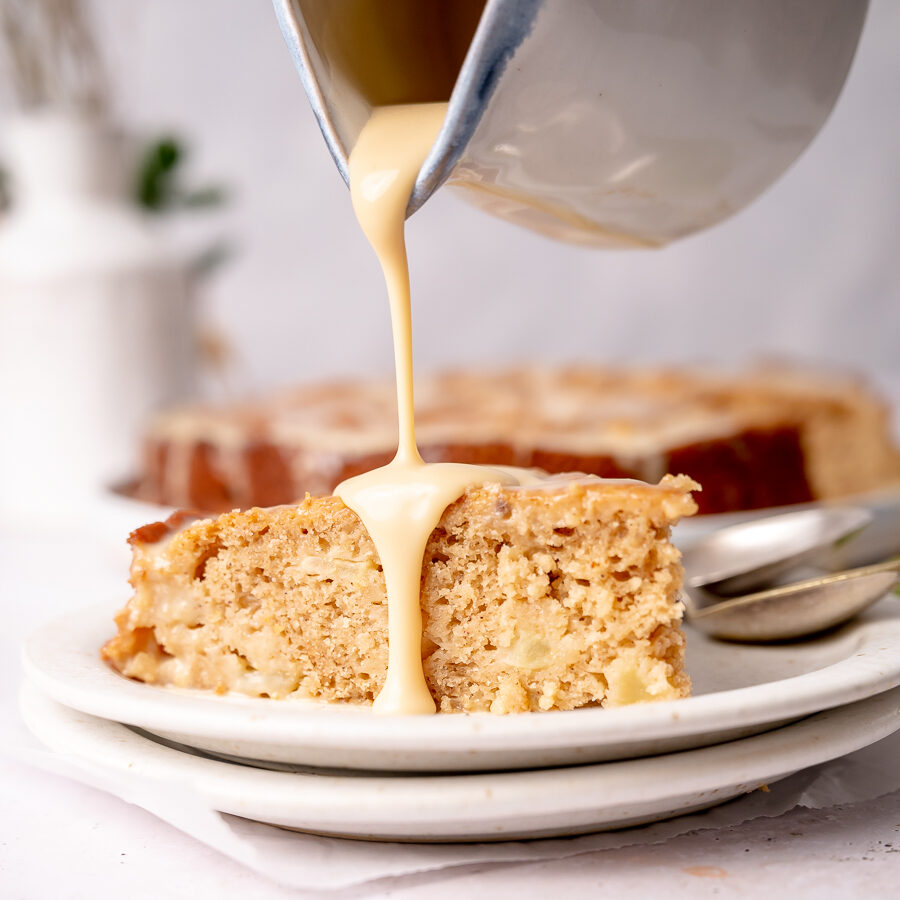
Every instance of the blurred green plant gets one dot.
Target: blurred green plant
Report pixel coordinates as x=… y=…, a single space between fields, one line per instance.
x=157 y=187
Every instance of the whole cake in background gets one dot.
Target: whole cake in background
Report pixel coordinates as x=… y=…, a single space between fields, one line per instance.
x=765 y=437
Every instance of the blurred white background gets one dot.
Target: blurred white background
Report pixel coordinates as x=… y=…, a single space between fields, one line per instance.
x=810 y=270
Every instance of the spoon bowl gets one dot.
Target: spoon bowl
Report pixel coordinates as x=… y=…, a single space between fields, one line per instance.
x=745 y=557
x=794 y=610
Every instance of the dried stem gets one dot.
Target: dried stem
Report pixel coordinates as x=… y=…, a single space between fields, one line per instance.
x=51 y=56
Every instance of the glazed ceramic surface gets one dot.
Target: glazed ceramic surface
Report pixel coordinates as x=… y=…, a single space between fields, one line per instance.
x=738 y=691
x=492 y=806
x=623 y=124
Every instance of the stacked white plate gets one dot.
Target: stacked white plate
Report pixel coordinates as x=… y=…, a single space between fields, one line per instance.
x=758 y=714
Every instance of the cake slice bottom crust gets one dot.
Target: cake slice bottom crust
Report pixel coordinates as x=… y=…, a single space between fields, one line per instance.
x=532 y=599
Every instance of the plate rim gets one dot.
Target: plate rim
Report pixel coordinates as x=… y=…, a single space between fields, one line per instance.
x=420 y=801
x=872 y=665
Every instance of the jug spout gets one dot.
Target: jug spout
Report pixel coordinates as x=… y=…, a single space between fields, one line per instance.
x=414 y=51
x=592 y=121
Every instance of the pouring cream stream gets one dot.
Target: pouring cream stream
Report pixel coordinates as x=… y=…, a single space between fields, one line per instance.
x=401 y=503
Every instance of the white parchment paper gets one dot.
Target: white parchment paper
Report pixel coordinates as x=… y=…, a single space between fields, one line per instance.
x=323 y=864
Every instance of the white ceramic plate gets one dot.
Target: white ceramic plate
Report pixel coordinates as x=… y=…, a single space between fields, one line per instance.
x=738 y=691
x=496 y=806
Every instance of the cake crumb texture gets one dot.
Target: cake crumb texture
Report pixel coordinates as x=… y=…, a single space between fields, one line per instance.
x=532 y=599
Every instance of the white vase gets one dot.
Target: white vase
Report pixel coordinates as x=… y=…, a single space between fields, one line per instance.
x=95 y=326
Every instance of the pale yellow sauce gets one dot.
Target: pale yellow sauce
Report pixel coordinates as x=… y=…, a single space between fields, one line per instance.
x=397 y=57
x=401 y=503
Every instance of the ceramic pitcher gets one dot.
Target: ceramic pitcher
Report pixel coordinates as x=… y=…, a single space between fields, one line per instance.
x=603 y=122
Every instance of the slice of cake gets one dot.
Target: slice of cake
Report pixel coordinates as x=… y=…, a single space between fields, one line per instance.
x=759 y=438
x=555 y=597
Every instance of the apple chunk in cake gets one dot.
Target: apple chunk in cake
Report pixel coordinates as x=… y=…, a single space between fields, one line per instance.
x=555 y=597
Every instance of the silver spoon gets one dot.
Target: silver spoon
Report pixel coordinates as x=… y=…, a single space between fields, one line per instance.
x=744 y=557
x=793 y=610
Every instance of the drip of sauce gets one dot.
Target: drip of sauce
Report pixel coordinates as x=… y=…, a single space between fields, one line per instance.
x=401 y=503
